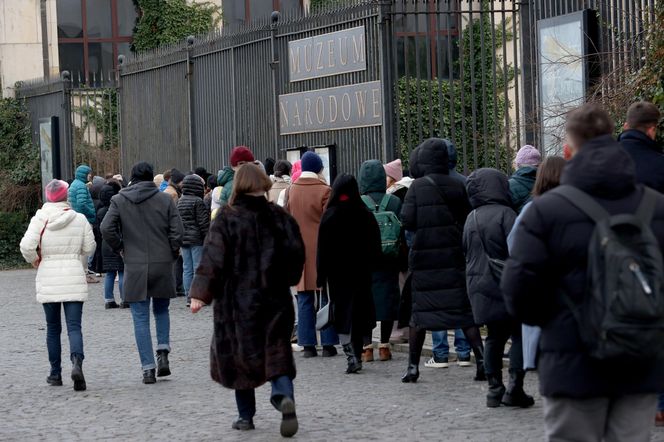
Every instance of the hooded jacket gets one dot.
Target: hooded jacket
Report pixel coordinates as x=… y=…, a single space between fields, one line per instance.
x=145 y=224
x=648 y=158
x=487 y=226
x=435 y=213
x=225 y=180
x=193 y=211
x=521 y=186
x=79 y=194
x=550 y=257
x=64 y=238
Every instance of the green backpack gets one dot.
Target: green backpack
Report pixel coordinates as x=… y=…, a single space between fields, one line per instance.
x=388 y=223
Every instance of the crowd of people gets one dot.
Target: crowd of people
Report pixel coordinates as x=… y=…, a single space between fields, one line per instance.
x=282 y=255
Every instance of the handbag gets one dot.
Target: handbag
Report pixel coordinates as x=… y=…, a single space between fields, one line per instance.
x=41 y=234
x=495 y=265
x=324 y=316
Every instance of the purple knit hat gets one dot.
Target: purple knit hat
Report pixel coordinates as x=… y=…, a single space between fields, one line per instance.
x=528 y=156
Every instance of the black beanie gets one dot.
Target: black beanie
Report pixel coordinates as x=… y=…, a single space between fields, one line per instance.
x=142 y=172
x=176 y=176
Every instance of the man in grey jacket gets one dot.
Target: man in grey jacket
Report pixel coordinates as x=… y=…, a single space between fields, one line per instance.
x=144 y=225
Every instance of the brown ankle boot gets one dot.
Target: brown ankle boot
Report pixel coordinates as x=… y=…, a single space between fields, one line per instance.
x=384 y=352
x=367 y=354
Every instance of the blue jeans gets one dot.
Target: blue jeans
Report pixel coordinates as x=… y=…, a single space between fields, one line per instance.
x=140 y=312
x=191 y=258
x=246 y=399
x=109 y=283
x=306 y=322
x=441 y=348
x=73 y=314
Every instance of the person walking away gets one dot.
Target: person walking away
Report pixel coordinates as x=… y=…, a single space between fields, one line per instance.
x=57 y=243
x=281 y=180
x=223 y=177
x=209 y=188
x=484 y=241
x=349 y=250
x=174 y=188
x=252 y=255
x=435 y=211
x=385 y=278
x=306 y=202
x=239 y=155
x=80 y=201
x=588 y=393
x=523 y=180
x=113 y=265
x=143 y=225
x=296 y=171
x=196 y=222
x=548 y=177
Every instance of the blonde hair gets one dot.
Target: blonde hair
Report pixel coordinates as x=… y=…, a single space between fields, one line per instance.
x=249 y=179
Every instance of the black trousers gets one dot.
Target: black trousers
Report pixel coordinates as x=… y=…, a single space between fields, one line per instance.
x=494 y=346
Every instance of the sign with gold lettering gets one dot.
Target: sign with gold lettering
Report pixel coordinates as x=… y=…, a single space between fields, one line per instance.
x=344 y=107
x=328 y=54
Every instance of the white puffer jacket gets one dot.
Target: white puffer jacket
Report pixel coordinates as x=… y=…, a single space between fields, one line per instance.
x=67 y=241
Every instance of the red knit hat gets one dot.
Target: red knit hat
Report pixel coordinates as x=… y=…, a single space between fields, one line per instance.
x=241 y=153
x=56 y=191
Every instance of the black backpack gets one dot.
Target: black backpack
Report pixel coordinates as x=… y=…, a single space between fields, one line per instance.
x=622 y=313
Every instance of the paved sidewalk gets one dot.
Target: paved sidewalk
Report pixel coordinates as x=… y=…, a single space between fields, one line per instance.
x=188 y=406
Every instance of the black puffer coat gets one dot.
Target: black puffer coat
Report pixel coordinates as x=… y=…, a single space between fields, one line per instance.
x=648 y=157
x=550 y=256
x=484 y=236
x=436 y=215
x=112 y=261
x=193 y=211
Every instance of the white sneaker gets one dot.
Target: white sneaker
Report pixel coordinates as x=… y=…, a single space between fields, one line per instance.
x=432 y=363
x=296 y=347
x=464 y=363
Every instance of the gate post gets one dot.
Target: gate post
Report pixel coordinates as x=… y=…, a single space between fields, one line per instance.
x=69 y=163
x=386 y=78
x=190 y=108
x=274 y=64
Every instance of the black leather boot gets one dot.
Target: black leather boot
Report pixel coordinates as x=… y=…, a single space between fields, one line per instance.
x=77 y=374
x=412 y=374
x=54 y=380
x=149 y=377
x=354 y=365
x=515 y=396
x=496 y=390
x=163 y=369
x=479 y=360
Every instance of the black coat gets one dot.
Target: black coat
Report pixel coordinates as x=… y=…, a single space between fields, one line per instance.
x=193 y=211
x=491 y=220
x=144 y=223
x=648 y=158
x=111 y=261
x=349 y=250
x=436 y=258
x=253 y=254
x=550 y=256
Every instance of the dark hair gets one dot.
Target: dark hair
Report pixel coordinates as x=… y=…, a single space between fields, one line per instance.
x=249 y=178
x=269 y=165
x=642 y=115
x=167 y=175
x=282 y=168
x=587 y=122
x=211 y=182
x=548 y=175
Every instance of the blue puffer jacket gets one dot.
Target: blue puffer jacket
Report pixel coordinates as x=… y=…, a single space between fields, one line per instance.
x=79 y=194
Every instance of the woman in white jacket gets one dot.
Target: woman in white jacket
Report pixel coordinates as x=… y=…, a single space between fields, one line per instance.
x=57 y=243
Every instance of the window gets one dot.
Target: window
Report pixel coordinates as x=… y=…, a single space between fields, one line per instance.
x=247 y=11
x=91 y=35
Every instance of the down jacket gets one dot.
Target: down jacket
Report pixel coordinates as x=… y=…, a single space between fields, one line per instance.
x=193 y=211
x=550 y=256
x=521 y=186
x=66 y=241
x=648 y=158
x=79 y=195
x=489 y=194
x=111 y=261
x=435 y=213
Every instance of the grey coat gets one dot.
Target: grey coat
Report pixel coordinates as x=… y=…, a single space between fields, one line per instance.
x=144 y=224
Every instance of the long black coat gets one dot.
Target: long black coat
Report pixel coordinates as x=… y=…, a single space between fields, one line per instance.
x=144 y=223
x=253 y=254
x=436 y=258
x=111 y=261
x=550 y=256
x=193 y=211
x=491 y=220
x=648 y=158
x=349 y=250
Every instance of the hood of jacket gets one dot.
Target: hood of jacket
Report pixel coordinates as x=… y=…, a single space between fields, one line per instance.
x=139 y=192
x=97 y=184
x=225 y=176
x=59 y=215
x=108 y=191
x=428 y=158
x=641 y=139
x=526 y=174
x=193 y=185
x=488 y=186
x=602 y=168
x=372 y=177
x=82 y=173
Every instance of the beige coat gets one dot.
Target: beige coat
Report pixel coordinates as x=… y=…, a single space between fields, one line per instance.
x=279 y=185
x=307 y=199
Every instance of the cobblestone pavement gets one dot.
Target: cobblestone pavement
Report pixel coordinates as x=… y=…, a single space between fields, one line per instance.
x=189 y=406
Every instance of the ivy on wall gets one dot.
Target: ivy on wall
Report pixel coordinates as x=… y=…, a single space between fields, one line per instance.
x=163 y=22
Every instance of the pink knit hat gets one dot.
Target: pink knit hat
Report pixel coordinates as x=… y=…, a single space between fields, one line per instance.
x=394 y=170
x=528 y=156
x=296 y=171
x=56 y=191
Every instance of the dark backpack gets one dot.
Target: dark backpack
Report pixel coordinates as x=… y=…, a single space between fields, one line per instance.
x=388 y=223
x=622 y=313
